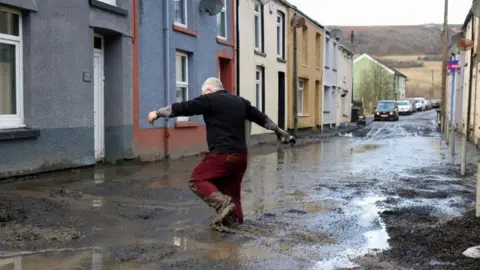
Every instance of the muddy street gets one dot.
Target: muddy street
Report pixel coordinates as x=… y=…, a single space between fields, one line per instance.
x=388 y=196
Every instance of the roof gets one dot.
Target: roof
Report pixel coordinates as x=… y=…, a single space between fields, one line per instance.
x=312 y=21
x=382 y=64
x=390 y=67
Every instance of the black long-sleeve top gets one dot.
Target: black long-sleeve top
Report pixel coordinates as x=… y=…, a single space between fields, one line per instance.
x=225 y=116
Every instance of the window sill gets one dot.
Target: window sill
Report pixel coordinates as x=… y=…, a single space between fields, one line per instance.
x=303 y=65
x=303 y=115
x=186 y=124
x=334 y=69
x=318 y=68
x=107 y=7
x=224 y=41
x=260 y=53
x=326 y=111
x=184 y=30
x=18 y=133
x=327 y=67
x=281 y=60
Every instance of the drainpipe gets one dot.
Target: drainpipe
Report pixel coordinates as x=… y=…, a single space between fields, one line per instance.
x=166 y=68
x=295 y=83
x=237 y=39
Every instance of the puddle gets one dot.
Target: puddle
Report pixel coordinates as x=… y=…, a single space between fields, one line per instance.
x=364 y=148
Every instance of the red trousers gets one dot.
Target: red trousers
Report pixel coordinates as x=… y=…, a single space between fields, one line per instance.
x=221 y=172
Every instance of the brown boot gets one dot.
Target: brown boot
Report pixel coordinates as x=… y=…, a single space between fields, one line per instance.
x=222 y=204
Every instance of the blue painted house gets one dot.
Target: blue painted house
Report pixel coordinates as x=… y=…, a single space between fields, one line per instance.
x=176 y=47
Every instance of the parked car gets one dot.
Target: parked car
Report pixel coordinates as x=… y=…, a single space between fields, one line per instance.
x=420 y=105
x=429 y=104
x=435 y=103
x=405 y=106
x=386 y=110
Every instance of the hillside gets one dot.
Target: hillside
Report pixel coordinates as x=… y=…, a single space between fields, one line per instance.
x=415 y=50
x=394 y=40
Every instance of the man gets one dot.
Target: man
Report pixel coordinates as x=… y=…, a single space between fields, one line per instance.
x=217 y=179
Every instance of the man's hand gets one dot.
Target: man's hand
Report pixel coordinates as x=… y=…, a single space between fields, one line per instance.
x=152 y=116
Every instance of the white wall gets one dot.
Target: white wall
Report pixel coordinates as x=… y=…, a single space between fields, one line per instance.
x=466 y=79
x=344 y=83
x=330 y=92
x=249 y=60
x=401 y=87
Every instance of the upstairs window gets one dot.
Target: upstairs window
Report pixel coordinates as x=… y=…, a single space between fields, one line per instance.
x=180 y=12
x=222 y=22
x=280 y=35
x=258 y=12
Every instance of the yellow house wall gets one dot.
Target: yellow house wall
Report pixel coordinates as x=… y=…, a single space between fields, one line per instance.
x=310 y=68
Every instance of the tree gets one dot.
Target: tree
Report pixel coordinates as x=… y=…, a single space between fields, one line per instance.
x=376 y=84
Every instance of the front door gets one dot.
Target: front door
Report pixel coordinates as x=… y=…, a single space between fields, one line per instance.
x=98 y=99
x=281 y=100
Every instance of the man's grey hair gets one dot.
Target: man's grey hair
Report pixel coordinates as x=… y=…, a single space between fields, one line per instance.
x=212 y=85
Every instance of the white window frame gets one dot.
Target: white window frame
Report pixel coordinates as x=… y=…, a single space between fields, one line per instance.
x=15 y=120
x=184 y=14
x=258 y=31
x=259 y=89
x=300 y=90
x=280 y=37
x=180 y=83
x=327 y=52
x=334 y=56
x=109 y=2
x=224 y=10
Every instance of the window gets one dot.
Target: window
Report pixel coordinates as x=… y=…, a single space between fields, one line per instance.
x=305 y=44
x=180 y=11
x=258 y=12
x=300 y=95
x=327 y=52
x=110 y=2
x=334 y=56
x=259 y=91
x=280 y=35
x=222 y=21
x=318 y=46
x=11 y=86
x=181 y=74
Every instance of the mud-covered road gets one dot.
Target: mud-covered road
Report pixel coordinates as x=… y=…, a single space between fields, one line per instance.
x=385 y=197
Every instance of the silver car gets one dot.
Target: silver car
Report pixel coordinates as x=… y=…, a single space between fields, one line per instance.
x=405 y=107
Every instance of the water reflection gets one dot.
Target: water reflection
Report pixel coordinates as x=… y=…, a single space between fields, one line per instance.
x=56 y=259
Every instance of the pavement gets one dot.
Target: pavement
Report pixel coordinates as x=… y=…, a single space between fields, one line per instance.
x=387 y=196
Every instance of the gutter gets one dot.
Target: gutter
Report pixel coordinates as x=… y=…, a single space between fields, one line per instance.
x=166 y=68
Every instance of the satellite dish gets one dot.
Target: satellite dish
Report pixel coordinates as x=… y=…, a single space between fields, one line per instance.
x=211 y=7
x=298 y=21
x=465 y=44
x=336 y=33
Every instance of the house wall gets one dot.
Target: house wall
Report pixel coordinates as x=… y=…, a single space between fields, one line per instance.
x=199 y=41
x=344 y=83
x=401 y=87
x=330 y=90
x=310 y=63
x=57 y=98
x=459 y=92
x=466 y=81
x=267 y=59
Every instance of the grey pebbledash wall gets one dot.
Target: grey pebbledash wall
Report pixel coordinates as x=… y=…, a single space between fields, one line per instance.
x=58 y=103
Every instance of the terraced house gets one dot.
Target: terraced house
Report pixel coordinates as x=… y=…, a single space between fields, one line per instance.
x=65 y=89
x=263 y=58
x=176 y=47
x=310 y=44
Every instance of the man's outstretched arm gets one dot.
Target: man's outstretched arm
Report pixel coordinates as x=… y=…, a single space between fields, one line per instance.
x=196 y=106
x=261 y=119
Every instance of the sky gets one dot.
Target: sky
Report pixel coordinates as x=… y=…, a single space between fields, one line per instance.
x=382 y=12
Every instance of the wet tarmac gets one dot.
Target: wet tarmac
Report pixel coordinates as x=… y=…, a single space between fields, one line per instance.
x=380 y=198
